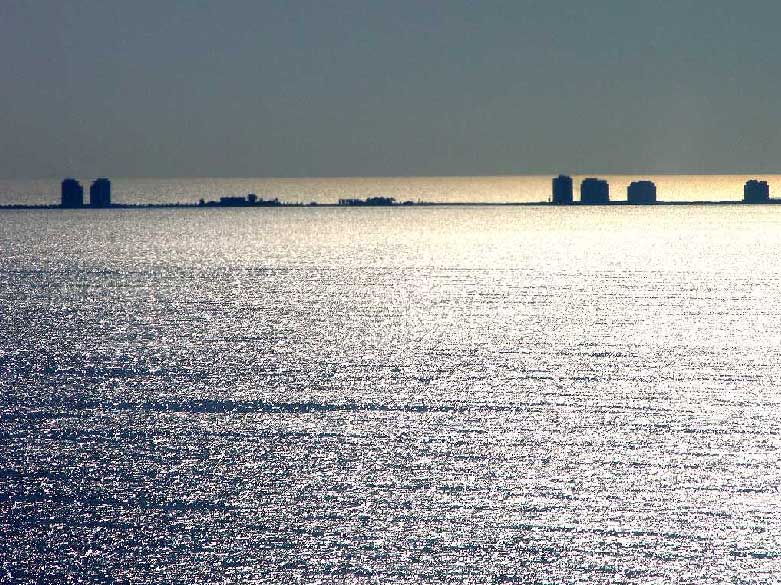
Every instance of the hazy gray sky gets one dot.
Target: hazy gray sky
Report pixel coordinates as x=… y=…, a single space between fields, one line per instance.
x=251 y=88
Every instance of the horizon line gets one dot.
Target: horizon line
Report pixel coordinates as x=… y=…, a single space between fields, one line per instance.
x=337 y=177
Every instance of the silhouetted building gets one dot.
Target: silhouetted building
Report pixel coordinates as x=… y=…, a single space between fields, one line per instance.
x=72 y=194
x=641 y=192
x=232 y=201
x=562 y=190
x=756 y=192
x=100 y=193
x=373 y=201
x=594 y=191
x=250 y=200
x=380 y=201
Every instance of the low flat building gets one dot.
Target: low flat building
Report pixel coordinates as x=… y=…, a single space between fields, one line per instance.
x=641 y=192
x=232 y=202
x=250 y=200
x=594 y=191
x=371 y=201
x=755 y=191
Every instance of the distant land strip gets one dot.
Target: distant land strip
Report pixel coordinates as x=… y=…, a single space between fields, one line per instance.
x=593 y=192
x=17 y=206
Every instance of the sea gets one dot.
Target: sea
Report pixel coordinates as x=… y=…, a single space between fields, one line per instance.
x=433 y=394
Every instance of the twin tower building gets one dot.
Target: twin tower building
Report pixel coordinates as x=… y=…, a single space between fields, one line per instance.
x=73 y=194
x=597 y=191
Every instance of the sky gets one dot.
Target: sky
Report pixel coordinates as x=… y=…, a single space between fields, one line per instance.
x=371 y=88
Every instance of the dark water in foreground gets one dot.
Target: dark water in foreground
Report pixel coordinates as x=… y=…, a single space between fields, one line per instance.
x=391 y=395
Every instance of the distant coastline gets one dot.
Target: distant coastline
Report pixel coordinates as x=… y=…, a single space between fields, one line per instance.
x=118 y=206
x=593 y=192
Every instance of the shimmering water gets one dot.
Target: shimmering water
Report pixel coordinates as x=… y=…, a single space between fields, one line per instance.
x=391 y=395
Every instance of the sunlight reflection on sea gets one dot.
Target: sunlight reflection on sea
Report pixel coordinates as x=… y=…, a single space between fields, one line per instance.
x=391 y=395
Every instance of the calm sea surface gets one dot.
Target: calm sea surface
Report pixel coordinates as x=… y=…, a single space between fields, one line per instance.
x=391 y=395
